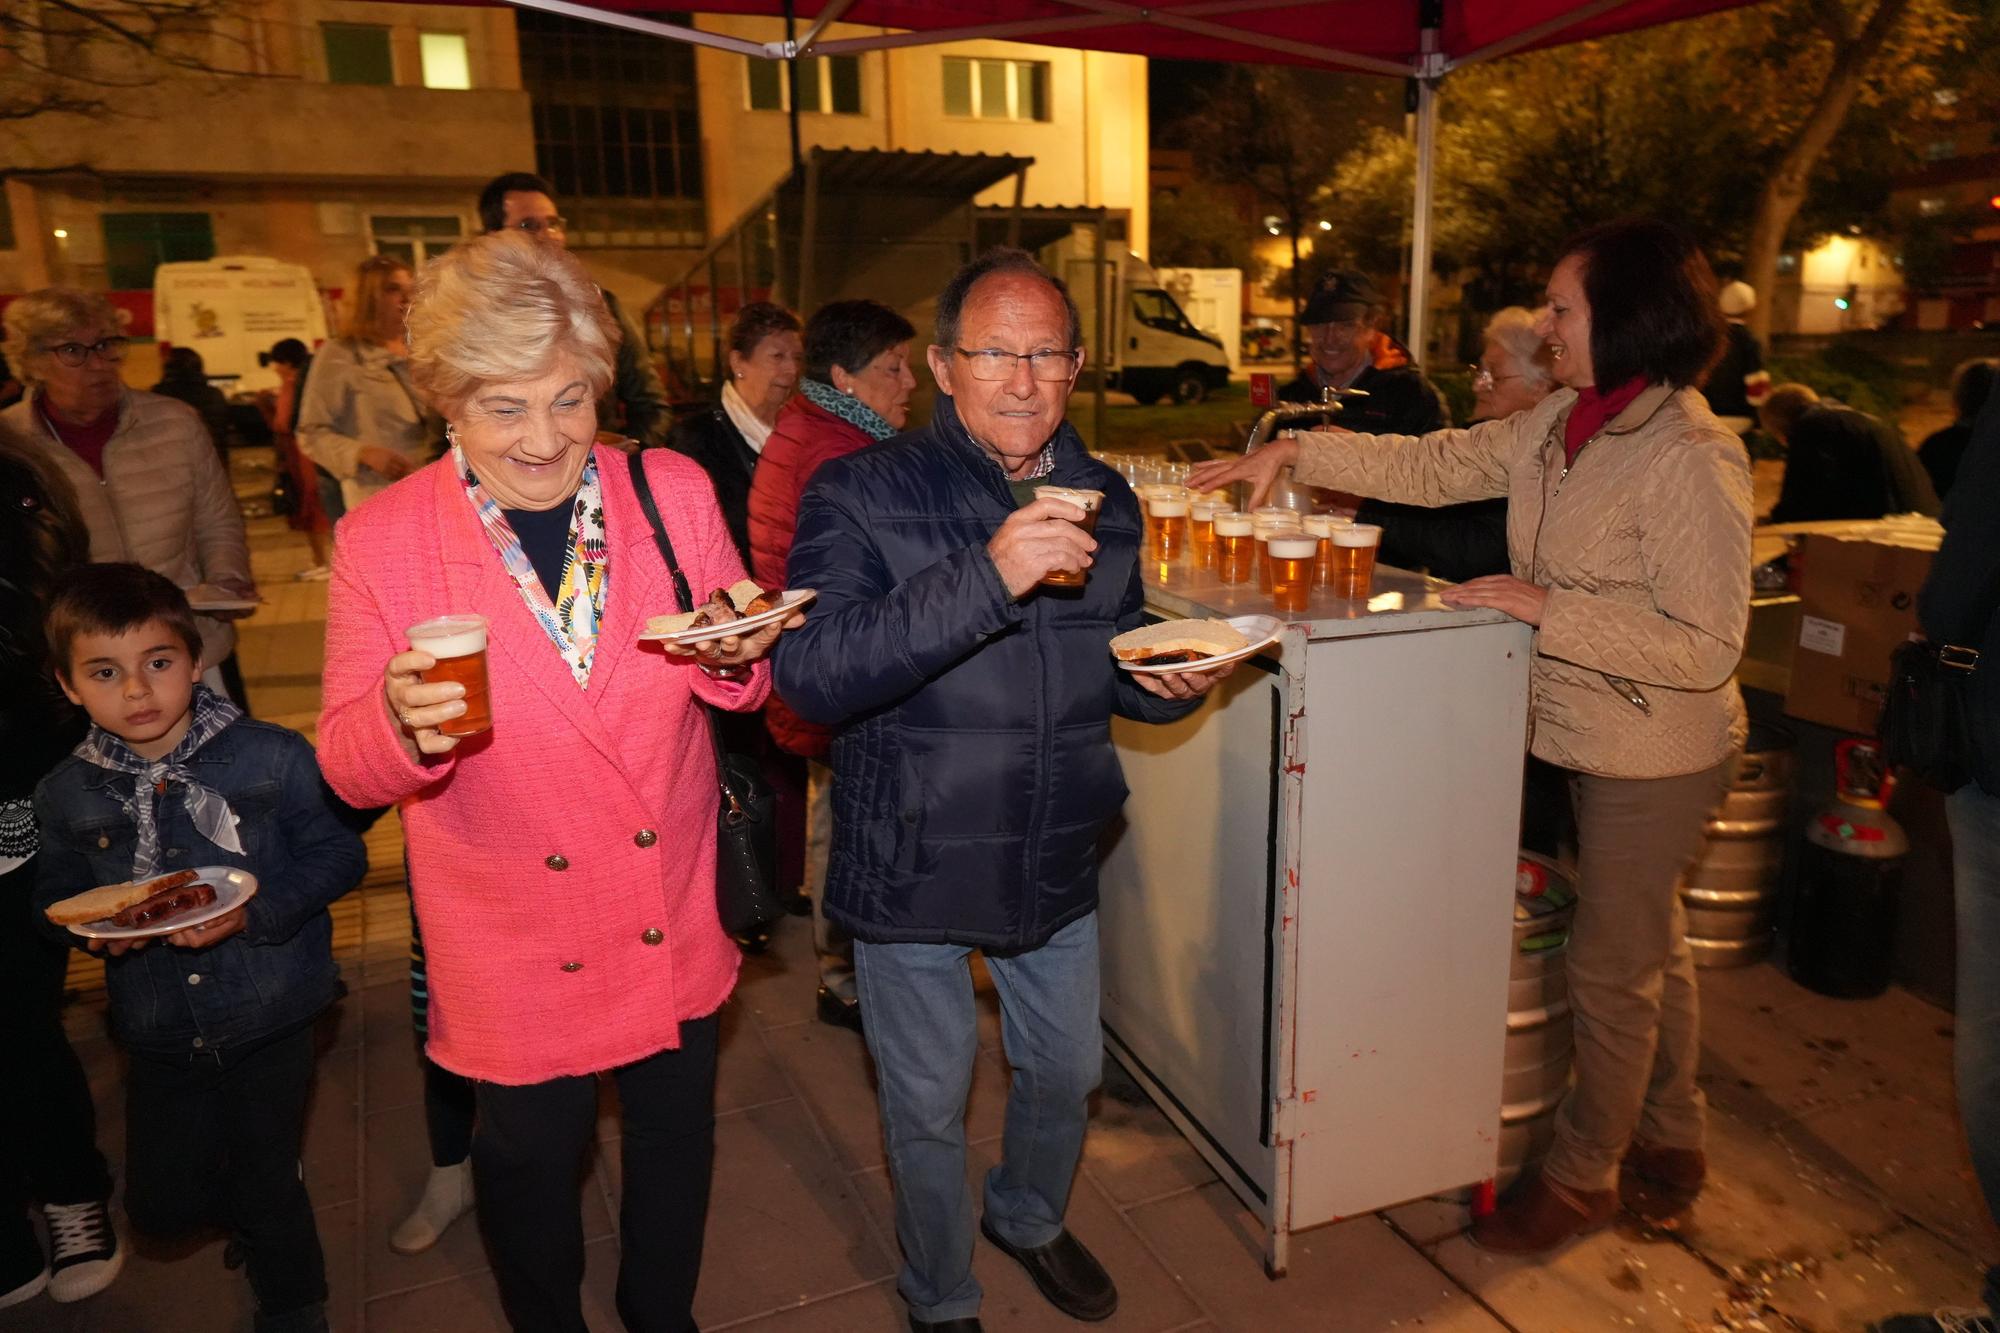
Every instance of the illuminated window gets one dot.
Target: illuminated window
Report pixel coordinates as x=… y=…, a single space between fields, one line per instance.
x=447 y=64
x=996 y=89
x=830 y=85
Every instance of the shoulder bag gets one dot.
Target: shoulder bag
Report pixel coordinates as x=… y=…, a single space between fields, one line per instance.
x=746 y=844
x=1926 y=721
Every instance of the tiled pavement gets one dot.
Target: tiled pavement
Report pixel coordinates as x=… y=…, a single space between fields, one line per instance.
x=1840 y=1190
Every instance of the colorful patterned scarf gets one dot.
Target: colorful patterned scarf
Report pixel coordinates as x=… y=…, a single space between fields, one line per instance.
x=213 y=818
x=847 y=407
x=572 y=621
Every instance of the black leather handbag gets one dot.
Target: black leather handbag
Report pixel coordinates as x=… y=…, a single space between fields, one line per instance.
x=1926 y=722
x=746 y=842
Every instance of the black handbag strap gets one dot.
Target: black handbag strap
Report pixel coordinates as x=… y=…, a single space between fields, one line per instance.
x=682 y=593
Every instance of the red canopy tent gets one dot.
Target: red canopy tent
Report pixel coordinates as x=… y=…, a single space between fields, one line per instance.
x=1419 y=39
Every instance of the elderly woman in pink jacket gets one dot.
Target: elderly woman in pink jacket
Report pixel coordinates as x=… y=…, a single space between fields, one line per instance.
x=562 y=862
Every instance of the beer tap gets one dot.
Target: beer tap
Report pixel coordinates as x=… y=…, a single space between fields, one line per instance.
x=1329 y=405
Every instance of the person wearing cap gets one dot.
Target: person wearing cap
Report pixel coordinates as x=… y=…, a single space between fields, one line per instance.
x=1342 y=320
x=1739 y=384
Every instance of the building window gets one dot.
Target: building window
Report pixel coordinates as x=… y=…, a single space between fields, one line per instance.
x=447 y=64
x=617 y=131
x=1930 y=205
x=996 y=89
x=830 y=85
x=1938 y=150
x=415 y=239
x=137 y=243
x=357 y=53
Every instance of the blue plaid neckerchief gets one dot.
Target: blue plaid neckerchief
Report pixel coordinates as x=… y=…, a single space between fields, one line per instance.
x=213 y=818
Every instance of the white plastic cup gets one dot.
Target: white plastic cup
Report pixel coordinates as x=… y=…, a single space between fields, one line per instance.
x=459 y=644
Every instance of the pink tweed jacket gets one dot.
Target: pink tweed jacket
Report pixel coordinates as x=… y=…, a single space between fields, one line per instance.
x=563 y=864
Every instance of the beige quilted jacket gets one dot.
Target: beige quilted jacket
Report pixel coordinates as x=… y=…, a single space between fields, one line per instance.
x=164 y=500
x=1643 y=544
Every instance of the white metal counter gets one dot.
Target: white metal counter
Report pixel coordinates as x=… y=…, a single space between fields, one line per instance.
x=1307 y=911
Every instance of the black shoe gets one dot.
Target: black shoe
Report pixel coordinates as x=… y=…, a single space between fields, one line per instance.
x=839 y=1013
x=970 y=1324
x=1066 y=1273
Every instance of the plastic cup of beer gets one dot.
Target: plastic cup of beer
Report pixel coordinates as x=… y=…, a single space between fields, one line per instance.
x=1170 y=525
x=1293 y=555
x=1090 y=502
x=1354 y=559
x=1201 y=529
x=1235 y=546
x=459 y=645
x=1323 y=526
x=1263 y=529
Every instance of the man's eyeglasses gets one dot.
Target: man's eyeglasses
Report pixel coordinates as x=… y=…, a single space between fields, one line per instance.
x=534 y=225
x=1484 y=379
x=990 y=363
x=109 y=350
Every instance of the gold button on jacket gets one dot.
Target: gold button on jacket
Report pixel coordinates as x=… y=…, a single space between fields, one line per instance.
x=572 y=967
x=645 y=837
x=653 y=936
x=557 y=862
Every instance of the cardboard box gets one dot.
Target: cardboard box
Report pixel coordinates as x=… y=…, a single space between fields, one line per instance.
x=1858 y=600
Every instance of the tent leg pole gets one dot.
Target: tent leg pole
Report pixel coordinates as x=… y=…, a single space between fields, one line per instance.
x=1420 y=221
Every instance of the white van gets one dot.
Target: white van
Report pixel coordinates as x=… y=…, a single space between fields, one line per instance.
x=1153 y=349
x=232 y=308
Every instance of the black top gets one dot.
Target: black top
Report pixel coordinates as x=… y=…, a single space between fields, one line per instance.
x=1400 y=401
x=1840 y=463
x=1741 y=357
x=1958 y=600
x=711 y=439
x=544 y=535
x=1941 y=453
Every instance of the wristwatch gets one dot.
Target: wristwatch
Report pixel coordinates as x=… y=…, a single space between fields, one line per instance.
x=724 y=672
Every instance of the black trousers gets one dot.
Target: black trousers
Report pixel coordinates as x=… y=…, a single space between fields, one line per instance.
x=49 y=1150
x=215 y=1142
x=527 y=1158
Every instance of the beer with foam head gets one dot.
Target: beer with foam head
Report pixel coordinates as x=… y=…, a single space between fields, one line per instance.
x=1323 y=526
x=1090 y=502
x=1354 y=559
x=1277 y=524
x=1293 y=555
x=1201 y=530
x=1170 y=525
x=1235 y=546
x=459 y=645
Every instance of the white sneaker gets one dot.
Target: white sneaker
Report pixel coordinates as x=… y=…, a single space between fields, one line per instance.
x=447 y=1197
x=317 y=574
x=84 y=1250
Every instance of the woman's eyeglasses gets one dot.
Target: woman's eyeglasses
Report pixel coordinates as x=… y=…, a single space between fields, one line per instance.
x=109 y=350
x=1484 y=379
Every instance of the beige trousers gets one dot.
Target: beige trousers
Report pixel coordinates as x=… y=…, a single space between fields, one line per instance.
x=1631 y=974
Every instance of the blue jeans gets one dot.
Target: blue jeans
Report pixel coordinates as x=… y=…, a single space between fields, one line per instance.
x=922 y=1028
x=1975 y=838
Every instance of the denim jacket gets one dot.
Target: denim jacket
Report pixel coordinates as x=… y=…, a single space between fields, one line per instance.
x=276 y=973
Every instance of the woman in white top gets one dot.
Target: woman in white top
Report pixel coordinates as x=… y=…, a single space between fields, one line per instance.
x=359 y=417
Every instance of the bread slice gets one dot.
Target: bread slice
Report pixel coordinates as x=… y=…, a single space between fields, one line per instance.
x=97 y=904
x=743 y=592
x=1203 y=638
x=717 y=610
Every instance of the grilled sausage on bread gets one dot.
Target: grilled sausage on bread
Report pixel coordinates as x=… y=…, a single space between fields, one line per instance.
x=107 y=902
x=1175 y=641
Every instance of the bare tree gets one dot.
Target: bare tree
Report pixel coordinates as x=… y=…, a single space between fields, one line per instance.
x=67 y=57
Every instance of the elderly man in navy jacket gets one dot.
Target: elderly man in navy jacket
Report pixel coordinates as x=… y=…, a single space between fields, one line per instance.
x=973 y=769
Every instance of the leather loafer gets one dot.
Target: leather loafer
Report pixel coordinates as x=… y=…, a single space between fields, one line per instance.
x=1066 y=1273
x=1536 y=1216
x=839 y=1013
x=968 y=1325
x=1656 y=1183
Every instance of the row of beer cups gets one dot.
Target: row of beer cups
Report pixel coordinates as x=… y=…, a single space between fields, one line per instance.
x=1288 y=553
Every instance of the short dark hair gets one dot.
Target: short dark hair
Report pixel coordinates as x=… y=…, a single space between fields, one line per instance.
x=1971 y=384
x=1652 y=295
x=850 y=334
x=112 y=598
x=289 y=352
x=1000 y=259
x=1781 y=409
x=493 y=199
x=756 y=322
x=183 y=363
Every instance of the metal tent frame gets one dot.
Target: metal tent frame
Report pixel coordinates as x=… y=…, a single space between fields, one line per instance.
x=1262 y=30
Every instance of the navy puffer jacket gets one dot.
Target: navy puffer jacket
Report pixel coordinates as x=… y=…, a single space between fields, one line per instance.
x=973 y=767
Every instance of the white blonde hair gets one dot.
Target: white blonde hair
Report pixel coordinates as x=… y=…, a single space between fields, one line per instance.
x=504 y=308
x=41 y=319
x=1514 y=329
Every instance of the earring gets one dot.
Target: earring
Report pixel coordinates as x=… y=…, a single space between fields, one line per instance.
x=451 y=435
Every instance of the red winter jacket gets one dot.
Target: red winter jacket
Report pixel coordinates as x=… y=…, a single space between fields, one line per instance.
x=805 y=437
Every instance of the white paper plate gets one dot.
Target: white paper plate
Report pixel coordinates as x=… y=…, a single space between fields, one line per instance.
x=233 y=888
x=1262 y=631
x=225 y=604
x=790 y=602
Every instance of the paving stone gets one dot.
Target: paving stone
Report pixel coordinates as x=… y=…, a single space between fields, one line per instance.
x=1911 y=1154
x=1151 y=1296
x=1762 y=1071
x=1614 y=1280
x=391 y=1075
x=332 y=1132
x=1905 y=1271
x=1348 y=1277
x=1133 y=1151
x=746 y=1073
x=471 y=1303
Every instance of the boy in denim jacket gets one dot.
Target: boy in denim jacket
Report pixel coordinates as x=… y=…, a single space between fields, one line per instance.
x=217 y=1017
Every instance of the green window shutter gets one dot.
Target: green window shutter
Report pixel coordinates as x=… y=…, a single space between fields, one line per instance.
x=766 y=84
